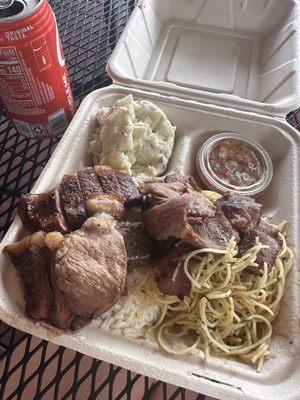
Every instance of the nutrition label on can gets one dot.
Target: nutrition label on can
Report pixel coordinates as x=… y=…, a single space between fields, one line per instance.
x=14 y=87
x=21 y=91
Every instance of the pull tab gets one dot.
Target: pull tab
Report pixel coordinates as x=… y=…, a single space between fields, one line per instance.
x=5 y=3
x=293 y=118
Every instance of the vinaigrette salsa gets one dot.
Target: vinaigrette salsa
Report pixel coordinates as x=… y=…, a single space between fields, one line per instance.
x=235 y=162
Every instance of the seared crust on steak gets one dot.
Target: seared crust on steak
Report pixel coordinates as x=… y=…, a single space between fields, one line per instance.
x=73 y=201
x=192 y=218
x=43 y=212
x=140 y=247
x=67 y=206
x=267 y=235
x=242 y=211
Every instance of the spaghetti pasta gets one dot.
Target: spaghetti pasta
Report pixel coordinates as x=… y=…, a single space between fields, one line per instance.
x=228 y=312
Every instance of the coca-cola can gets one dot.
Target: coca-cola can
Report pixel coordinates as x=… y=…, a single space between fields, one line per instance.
x=34 y=83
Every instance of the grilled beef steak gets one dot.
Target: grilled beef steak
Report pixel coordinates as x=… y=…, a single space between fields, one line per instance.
x=33 y=267
x=90 y=267
x=242 y=211
x=65 y=208
x=198 y=205
x=174 y=185
x=186 y=180
x=89 y=183
x=156 y=193
x=43 y=212
x=267 y=235
x=214 y=232
x=73 y=201
x=128 y=189
x=168 y=219
x=108 y=181
x=192 y=218
x=140 y=247
x=32 y=259
x=172 y=282
x=118 y=183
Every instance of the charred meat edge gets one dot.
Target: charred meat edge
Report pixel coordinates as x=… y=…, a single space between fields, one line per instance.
x=64 y=207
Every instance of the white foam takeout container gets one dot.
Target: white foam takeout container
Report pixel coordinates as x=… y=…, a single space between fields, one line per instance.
x=240 y=56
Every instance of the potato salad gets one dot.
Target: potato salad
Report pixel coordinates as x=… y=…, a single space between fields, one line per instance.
x=134 y=136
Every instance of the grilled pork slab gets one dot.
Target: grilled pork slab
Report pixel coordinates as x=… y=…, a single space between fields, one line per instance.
x=90 y=267
x=70 y=280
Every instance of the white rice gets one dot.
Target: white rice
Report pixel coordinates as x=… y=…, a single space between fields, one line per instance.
x=135 y=313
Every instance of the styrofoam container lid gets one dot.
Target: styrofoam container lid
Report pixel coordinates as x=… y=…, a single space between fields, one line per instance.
x=236 y=53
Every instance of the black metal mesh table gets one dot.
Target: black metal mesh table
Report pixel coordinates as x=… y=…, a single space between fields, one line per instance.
x=31 y=368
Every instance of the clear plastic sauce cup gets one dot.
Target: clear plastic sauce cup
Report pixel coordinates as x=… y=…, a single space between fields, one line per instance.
x=233 y=162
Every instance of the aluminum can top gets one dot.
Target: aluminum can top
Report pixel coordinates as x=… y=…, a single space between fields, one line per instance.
x=14 y=10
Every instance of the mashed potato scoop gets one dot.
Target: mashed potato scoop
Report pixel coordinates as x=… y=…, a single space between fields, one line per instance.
x=134 y=136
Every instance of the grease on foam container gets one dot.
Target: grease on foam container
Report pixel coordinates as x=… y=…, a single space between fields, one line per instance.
x=233 y=162
x=134 y=136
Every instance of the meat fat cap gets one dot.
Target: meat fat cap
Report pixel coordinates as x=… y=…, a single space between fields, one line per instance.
x=101 y=222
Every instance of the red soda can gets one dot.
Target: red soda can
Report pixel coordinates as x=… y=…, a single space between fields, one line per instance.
x=34 y=83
